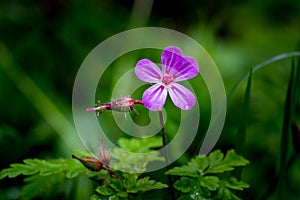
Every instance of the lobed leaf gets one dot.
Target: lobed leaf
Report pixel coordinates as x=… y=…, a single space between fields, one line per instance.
x=185 y=184
x=105 y=190
x=234 y=184
x=43 y=168
x=185 y=170
x=37 y=185
x=144 y=184
x=139 y=145
x=230 y=161
x=115 y=184
x=210 y=182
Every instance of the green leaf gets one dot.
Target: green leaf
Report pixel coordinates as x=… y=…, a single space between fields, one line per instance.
x=140 y=145
x=142 y=155
x=97 y=197
x=105 y=190
x=199 y=163
x=130 y=180
x=37 y=185
x=230 y=161
x=215 y=157
x=234 y=184
x=16 y=170
x=195 y=167
x=115 y=184
x=242 y=129
x=210 y=182
x=213 y=163
x=192 y=187
x=224 y=193
x=185 y=170
x=70 y=167
x=197 y=184
x=185 y=184
x=144 y=184
x=289 y=112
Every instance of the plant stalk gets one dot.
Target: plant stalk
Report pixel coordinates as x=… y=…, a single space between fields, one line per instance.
x=164 y=142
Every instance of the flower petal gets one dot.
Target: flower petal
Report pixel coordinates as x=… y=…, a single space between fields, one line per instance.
x=169 y=58
x=174 y=63
x=154 y=97
x=147 y=71
x=181 y=96
x=188 y=69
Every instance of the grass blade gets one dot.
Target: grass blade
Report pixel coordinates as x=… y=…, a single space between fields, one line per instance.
x=285 y=133
x=242 y=129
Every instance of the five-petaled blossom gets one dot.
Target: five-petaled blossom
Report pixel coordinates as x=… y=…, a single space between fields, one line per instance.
x=175 y=67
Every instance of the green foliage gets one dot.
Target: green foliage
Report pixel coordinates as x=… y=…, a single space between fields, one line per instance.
x=243 y=123
x=204 y=178
x=132 y=187
x=69 y=167
x=45 y=175
x=288 y=117
x=131 y=155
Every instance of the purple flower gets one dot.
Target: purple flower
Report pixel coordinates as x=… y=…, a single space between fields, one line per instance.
x=175 y=67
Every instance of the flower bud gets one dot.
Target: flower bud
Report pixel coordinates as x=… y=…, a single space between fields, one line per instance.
x=92 y=164
x=123 y=104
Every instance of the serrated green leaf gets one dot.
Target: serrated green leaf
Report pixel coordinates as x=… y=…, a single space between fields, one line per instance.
x=234 y=159
x=144 y=184
x=192 y=187
x=214 y=163
x=18 y=169
x=230 y=161
x=98 y=197
x=210 y=182
x=75 y=171
x=44 y=168
x=130 y=180
x=185 y=184
x=141 y=185
x=185 y=170
x=115 y=184
x=105 y=190
x=37 y=185
x=215 y=157
x=199 y=163
x=224 y=193
x=234 y=184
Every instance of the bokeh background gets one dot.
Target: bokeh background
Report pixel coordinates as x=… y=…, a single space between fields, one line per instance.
x=43 y=43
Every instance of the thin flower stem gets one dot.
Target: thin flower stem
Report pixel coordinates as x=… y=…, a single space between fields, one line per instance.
x=138 y=102
x=164 y=141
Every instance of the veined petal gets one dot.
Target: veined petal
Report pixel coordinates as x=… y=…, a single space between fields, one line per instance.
x=154 y=97
x=188 y=69
x=181 y=96
x=147 y=71
x=175 y=64
x=169 y=58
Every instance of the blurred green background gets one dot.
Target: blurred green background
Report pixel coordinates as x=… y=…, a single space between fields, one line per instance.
x=42 y=45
